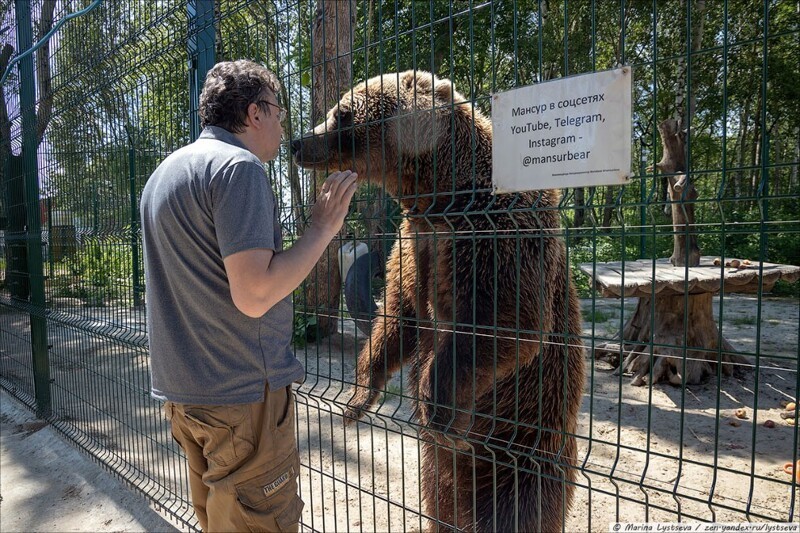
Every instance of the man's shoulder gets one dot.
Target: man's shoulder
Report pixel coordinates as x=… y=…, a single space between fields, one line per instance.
x=226 y=153
x=210 y=154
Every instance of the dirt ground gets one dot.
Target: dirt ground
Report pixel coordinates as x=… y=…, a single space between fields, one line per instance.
x=657 y=453
x=646 y=453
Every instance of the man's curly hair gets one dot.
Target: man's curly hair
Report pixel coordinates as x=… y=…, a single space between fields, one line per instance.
x=230 y=87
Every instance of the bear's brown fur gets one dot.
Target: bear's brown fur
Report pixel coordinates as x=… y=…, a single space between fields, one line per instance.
x=478 y=302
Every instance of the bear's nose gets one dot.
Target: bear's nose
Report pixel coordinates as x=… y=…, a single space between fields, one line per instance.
x=296 y=145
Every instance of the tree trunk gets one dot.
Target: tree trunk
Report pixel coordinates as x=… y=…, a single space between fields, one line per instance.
x=755 y=153
x=741 y=146
x=442 y=48
x=44 y=76
x=685 y=100
x=793 y=177
x=685 y=250
x=580 y=208
x=16 y=275
x=608 y=210
x=331 y=36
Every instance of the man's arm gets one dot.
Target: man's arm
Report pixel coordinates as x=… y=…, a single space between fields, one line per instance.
x=260 y=278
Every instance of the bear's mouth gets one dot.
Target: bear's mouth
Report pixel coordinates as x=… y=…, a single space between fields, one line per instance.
x=304 y=156
x=305 y=163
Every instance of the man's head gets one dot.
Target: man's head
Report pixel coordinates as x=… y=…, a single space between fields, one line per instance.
x=241 y=97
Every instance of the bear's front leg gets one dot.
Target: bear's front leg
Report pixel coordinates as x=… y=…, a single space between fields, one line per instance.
x=391 y=341
x=378 y=360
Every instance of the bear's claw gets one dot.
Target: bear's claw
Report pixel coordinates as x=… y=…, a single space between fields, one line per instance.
x=352 y=415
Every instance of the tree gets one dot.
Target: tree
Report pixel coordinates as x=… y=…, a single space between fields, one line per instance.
x=12 y=177
x=331 y=37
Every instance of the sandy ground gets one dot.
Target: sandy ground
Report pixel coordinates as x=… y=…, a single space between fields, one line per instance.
x=46 y=484
x=646 y=453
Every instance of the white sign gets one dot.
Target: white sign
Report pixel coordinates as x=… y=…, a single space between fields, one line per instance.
x=571 y=132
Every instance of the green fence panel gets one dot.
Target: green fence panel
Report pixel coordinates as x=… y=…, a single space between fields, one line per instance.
x=688 y=369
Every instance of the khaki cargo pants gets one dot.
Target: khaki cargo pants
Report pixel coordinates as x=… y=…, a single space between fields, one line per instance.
x=243 y=462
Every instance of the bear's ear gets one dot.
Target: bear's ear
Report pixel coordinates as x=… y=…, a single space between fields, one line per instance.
x=423 y=82
x=407 y=80
x=443 y=91
x=418 y=128
x=426 y=83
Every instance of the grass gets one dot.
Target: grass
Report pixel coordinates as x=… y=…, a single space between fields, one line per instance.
x=743 y=321
x=597 y=316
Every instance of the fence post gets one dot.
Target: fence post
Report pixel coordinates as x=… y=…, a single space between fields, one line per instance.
x=33 y=231
x=201 y=44
x=50 y=258
x=137 y=289
x=642 y=200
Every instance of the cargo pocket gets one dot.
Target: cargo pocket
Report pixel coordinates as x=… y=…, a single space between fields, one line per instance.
x=285 y=423
x=269 y=501
x=169 y=412
x=224 y=432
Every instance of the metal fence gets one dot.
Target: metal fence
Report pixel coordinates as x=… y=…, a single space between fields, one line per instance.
x=689 y=368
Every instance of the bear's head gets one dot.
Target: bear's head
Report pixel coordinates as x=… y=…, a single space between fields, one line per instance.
x=390 y=128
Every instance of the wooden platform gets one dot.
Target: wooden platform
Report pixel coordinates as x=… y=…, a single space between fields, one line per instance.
x=636 y=279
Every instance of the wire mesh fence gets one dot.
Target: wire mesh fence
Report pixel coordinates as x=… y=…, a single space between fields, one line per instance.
x=517 y=361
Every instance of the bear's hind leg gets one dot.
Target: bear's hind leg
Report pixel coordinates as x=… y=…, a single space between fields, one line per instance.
x=525 y=501
x=436 y=477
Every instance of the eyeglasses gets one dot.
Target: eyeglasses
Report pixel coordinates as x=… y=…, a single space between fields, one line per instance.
x=281 y=111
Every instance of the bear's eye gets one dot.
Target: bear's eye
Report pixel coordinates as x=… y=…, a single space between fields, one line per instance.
x=344 y=119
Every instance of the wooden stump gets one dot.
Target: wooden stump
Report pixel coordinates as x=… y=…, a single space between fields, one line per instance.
x=672 y=324
x=682 y=295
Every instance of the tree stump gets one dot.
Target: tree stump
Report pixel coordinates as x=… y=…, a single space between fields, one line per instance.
x=675 y=316
x=685 y=342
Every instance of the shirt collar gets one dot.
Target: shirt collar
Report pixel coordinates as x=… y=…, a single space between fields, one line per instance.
x=221 y=134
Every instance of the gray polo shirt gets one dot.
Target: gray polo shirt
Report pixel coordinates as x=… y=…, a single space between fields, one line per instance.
x=206 y=201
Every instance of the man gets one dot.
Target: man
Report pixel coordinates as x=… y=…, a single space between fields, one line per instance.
x=219 y=303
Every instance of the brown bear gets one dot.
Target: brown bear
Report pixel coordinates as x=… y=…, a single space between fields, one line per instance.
x=478 y=303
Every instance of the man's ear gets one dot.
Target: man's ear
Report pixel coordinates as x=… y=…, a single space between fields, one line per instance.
x=252 y=119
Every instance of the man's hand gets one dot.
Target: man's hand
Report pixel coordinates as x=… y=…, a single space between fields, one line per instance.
x=327 y=215
x=259 y=277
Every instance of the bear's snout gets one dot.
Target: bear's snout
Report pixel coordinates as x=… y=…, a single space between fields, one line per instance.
x=301 y=151
x=296 y=146
x=311 y=150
